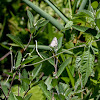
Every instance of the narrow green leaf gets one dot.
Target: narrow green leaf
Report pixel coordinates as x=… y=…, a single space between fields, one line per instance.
x=85 y=29
x=5 y=89
x=28 y=97
x=98 y=13
x=26 y=80
x=48 y=83
x=29 y=59
x=19 y=57
x=45 y=91
x=63 y=66
x=80 y=28
x=83 y=4
x=66 y=79
x=85 y=13
x=16 y=40
x=70 y=76
x=44 y=14
x=19 y=97
x=12 y=97
x=98 y=22
x=31 y=18
x=36 y=71
x=60 y=42
x=51 y=61
x=25 y=84
x=24 y=73
x=9 y=73
x=41 y=23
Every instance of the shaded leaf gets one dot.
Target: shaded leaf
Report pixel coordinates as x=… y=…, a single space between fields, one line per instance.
x=51 y=61
x=70 y=76
x=85 y=29
x=31 y=18
x=63 y=66
x=85 y=13
x=16 y=40
x=19 y=57
x=98 y=22
x=36 y=71
x=12 y=97
x=29 y=59
x=5 y=89
x=19 y=98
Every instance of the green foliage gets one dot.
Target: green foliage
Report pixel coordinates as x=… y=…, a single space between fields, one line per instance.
x=16 y=40
x=18 y=61
x=85 y=64
x=69 y=70
x=36 y=93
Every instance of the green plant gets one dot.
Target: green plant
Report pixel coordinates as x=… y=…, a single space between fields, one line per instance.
x=67 y=69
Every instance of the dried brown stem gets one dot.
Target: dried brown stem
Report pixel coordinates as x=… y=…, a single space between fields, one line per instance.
x=28 y=42
x=5 y=55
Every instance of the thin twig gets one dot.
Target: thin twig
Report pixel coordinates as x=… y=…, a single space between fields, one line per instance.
x=59 y=53
x=31 y=82
x=11 y=66
x=28 y=42
x=37 y=50
x=55 y=55
x=5 y=55
x=55 y=63
x=13 y=80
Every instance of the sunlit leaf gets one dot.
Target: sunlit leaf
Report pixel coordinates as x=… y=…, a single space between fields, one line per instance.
x=36 y=93
x=45 y=91
x=94 y=4
x=28 y=97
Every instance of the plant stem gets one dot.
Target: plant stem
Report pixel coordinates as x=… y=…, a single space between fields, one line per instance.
x=5 y=56
x=70 y=8
x=13 y=80
x=28 y=42
x=55 y=65
x=57 y=10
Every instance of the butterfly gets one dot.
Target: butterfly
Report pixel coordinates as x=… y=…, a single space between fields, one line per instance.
x=54 y=42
